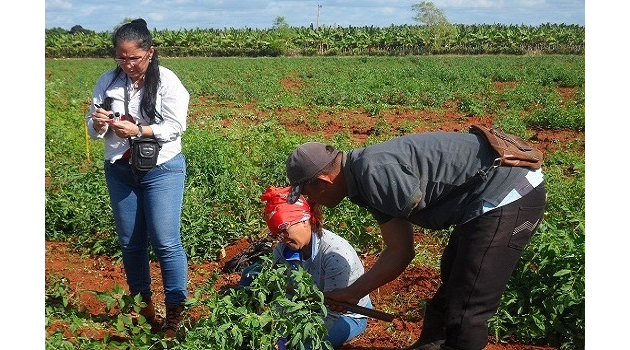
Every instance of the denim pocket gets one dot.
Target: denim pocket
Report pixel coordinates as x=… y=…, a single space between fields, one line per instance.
x=176 y=164
x=527 y=221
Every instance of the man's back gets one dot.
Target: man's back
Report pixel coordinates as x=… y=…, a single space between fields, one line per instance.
x=391 y=177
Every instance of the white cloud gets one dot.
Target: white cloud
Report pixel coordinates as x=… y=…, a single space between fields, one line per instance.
x=58 y=5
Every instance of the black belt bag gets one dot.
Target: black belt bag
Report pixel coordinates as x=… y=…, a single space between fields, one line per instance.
x=144 y=153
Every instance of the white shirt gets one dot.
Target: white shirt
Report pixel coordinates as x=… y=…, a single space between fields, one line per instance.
x=171 y=102
x=333 y=264
x=532 y=180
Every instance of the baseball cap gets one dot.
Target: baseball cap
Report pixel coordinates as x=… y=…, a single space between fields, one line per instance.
x=304 y=163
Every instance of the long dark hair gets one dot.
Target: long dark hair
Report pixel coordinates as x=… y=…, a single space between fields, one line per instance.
x=138 y=32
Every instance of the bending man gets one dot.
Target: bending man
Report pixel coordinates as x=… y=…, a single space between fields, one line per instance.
x=406 y=181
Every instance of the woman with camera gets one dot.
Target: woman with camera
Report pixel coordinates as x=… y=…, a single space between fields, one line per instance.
x=140 y=100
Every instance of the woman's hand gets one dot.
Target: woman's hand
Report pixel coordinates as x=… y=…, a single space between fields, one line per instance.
x=100 y=119
x=123 y=128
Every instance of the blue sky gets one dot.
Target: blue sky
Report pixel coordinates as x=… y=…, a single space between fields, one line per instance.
x=190 y=14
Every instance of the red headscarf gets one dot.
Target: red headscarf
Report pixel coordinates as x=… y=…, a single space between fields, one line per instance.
x=279 y=214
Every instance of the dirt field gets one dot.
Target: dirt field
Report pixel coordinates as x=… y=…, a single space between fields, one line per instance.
x=102 y=273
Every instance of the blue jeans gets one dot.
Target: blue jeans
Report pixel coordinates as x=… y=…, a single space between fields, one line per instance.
x=147 y=210
x=346 y=328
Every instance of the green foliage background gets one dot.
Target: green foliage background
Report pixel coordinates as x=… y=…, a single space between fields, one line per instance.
x=435 y=37
x=234 y=151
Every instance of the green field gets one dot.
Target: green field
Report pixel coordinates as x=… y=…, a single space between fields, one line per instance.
x=237 y=141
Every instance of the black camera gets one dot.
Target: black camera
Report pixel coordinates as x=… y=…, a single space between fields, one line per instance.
x=107 y=105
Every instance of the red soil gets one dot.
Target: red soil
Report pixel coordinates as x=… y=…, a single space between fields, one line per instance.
x=400 y=297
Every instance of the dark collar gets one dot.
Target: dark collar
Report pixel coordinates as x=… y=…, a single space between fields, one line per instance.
x=347 y=172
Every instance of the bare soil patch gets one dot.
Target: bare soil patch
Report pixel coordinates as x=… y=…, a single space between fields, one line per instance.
x=402 y=297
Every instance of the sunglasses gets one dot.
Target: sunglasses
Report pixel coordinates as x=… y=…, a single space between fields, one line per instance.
x=131 y=60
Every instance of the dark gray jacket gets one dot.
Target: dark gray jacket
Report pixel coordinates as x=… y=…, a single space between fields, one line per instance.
x=389 y=178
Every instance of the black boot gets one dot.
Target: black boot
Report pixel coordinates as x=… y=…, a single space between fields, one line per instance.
x=446 y=347
x=433 y=329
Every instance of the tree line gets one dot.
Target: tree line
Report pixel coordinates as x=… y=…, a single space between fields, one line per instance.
x=284 y=40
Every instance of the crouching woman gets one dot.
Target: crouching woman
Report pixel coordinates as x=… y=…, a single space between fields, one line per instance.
x=330 y=260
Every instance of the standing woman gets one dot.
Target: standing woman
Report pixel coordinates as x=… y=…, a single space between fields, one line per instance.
x=141 y=99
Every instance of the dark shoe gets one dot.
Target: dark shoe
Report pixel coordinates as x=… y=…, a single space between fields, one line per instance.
x=148 y=311
x=446 y=347
x=173 y=318
x=149 y=314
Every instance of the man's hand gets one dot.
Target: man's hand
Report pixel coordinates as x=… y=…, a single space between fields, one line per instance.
x=343 y=295
x=399 y=251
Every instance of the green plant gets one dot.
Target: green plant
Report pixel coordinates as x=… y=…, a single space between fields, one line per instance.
x=129 y=332
x=256 y=317
x=58 y=297
x=381 y=127
x=439 y=31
